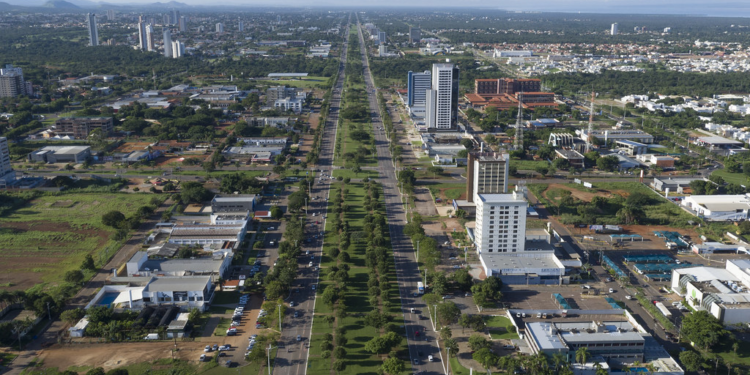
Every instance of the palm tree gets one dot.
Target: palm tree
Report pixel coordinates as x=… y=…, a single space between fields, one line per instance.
x=558 y=359
x=586 y=267
x=582 y=355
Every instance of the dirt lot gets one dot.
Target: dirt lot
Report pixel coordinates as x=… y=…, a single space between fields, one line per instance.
x=110 y=356
x=586 y=196
x=423 y=201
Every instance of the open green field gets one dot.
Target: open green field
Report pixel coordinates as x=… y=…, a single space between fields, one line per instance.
x=305 y=82
x=528 y=165
x=655 y=211
x=53 y=233
x=732 y=178
x=344 y=173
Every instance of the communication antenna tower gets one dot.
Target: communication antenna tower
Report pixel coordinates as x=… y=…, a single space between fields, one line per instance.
x=591 y=124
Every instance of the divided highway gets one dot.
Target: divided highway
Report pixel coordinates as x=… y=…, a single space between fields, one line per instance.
x=421 y=343
x=292 y=355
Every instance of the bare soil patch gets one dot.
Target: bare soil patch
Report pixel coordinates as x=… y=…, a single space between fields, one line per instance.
x=584 y=195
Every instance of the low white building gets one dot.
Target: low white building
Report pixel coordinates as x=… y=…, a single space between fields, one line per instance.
x=725 y=293
x=293 y=104
x=719 y=207
x=79 y=328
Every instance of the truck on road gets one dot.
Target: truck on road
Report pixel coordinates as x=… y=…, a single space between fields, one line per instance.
x=420 y=288
x=663 y=309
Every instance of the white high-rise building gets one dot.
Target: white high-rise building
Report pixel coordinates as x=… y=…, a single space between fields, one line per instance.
x=614 y=29
x=150 y=46
x=178 y=49
x=7 y=174
x=441 y=101
x=93 y=32
x=183 y=24
x=500 y=223
x=110 y=15
x=381 y=37
x=487 y=173
x=240 y=26
x=219 y=27
x=175 y=17
x=167 y=43
x=142 y=44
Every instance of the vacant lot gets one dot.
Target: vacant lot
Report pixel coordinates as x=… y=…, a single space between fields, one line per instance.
x=52 y=234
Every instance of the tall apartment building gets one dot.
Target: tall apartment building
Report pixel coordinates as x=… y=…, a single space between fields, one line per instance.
x=166 y=19
x=12 y=83
x=486 y=173
x=110 y=15
x=7 y=174
x=279 y=92
x=93 y=32
x=150 y=46
x=502 y=86
x=613 y=30
x=417 y=86
x=182 y=24
x=175 y=17
x=500 y=223
x=178 y=49
x=441 y=104
x=142 y=44
x=167 y=43
x=415 y=35
x=381 y=37
x=240 y=26
x=81 y=127
x=219 y=27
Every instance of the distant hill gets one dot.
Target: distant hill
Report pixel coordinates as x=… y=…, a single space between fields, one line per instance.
x=60 y=4
x=170 y=4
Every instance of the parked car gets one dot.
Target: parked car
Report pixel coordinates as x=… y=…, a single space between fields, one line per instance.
x=509 y=347
x=203 y=358
x=299 y=337
x=207 y=349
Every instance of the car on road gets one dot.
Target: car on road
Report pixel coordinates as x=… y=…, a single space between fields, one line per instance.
x=291 y=304
x=296 y=314
x=429 y=358
x=611 y=290
x=313 y=287
x=299 y=337
x=416 y=361
x=628 y=297
x=310 y=265
x=416 y=333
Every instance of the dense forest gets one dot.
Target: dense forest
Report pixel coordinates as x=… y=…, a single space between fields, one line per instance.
x=617 y=84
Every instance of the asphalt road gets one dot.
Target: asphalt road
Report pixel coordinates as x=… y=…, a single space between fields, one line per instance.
x=407 y=270
x=291 y=358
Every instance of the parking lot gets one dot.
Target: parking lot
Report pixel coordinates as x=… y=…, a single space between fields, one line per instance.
x=539 y=297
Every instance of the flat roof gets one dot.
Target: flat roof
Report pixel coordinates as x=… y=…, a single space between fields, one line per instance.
x=287 y=74
x=521 y=261
x=716 y=140
x=500 y=198
x=234 y=198
x=65 y=150
x=541 y=332
x=169 y=284
x=702 y=273
x=178 y=265
x=569 y=154
x=631 y=143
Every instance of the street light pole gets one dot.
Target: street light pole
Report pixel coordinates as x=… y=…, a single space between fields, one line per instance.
x=417 y=251
x=448 y=363
x=278 y=307
x=434 y=327
x=268 y=355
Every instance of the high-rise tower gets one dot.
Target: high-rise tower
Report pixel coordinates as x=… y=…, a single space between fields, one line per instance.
x=93 y=32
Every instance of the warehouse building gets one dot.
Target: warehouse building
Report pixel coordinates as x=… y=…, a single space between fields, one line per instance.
x=61 y=154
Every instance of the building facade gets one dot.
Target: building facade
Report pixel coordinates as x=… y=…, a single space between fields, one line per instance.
x=442 y=99
x=500 y=223
x=93 y=32
x=417 y=86
x=167 y=42
x=487 y=173
x=7 y=174
x=81 y=127
x=415 y=35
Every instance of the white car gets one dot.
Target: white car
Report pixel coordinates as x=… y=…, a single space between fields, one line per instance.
x=628 y=297
x=429 y=358
x=310 y=265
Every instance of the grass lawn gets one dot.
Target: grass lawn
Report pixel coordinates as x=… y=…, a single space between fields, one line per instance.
x=500 y=327
x=226 y=298
x=528 y=165
x=344 y=173
x=53 y=233
x=305 y=82
x=457 y=368
x=222 y=327
x=454 y=193
x=742 y=357
x=733 y=178
x=6 y=358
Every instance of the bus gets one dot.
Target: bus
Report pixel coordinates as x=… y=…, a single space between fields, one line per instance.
x=420 y=287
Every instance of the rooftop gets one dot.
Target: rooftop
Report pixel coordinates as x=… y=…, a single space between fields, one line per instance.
x=716 y=140
x=170 y=284
x=61 y=150
x=234 y=198
x=500 y=198
x=631 y=143
x=179 y=265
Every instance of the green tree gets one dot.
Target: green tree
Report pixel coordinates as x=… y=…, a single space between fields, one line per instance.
x=582 y=355
x=113 y=219
x=478 y=341
x=72 y=316
x=276 y=212
x=74 y=276
x=692 y=360
x=703 y=329
x=88 y=263
x=448 y=312
x=607 y=163
x=485 y=357
x=393 y=366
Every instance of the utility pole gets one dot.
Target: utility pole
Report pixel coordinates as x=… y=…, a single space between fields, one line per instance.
x=268 y=355
x=448 y=363
x=417 y=251
x=278 y=307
